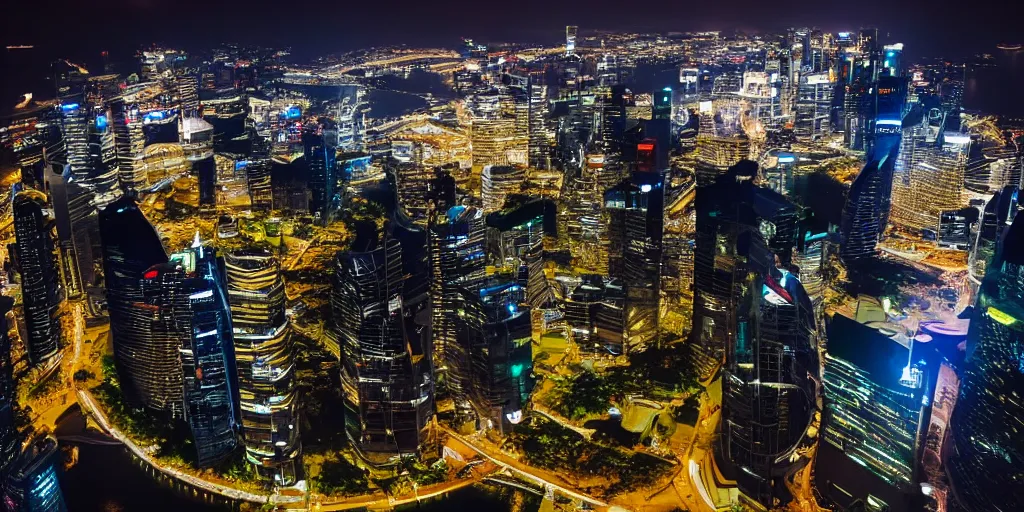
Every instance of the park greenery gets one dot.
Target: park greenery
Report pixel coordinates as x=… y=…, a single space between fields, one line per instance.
x=658 y=374
x=548 y=445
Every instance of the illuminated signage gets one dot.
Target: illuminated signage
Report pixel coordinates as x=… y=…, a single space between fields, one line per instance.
x=101 y=122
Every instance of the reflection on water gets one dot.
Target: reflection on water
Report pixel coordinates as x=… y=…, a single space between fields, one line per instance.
x=996 y=89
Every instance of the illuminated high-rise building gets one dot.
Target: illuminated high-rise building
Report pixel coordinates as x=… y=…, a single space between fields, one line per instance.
x=635 y=232
x=515 y=239
x=320 y=146
x=892 y=59
x=457 y=262
x=40 y=272
x=497 y=183
x=34 y=484
x=866 y=213
x=752 y=314
x=495 y=331
x=540 y=135
x=190 y=297
x=929 y=176
x=265 y=357
x=813 y=106
x=386 y=376
x=10 y=441
x=986 y=465
x=873 y=400
x=129 y=142
x=148 y=366
x=570 y=39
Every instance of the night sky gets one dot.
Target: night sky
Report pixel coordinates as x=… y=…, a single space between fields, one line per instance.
x=317 y=27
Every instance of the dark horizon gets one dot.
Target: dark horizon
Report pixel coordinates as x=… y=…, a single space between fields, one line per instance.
x=940 y=28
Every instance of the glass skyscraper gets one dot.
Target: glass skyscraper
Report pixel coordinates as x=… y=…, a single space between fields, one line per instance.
x=987 y=464
x=266 y=365
x=753 y=315
x=41 y=290
x=190 y=294
x=34 y=486
x=147 y=361
x=386 y=373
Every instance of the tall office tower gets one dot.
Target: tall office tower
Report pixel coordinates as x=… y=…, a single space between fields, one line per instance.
x=497 y=183
x=10 y=441
x=205 y=170
x=74 y=117
x=129 y=142
x=570 y=39
x=813 y=106
x=41 y=291
x=495 y=330
x=319 y=147
x=34 y=484
x=866 y=213
x=386 y=373
x=757 y=319
x=872 y=412
x=147 y=365
x=266 y=365
x=540 y=135
x=635 y=231
x=995 y=218
x=257 y=173
x=457 y=262
x=986 y=465
x=882 y=111
x=351 y=120
x=515 y=239
x=719 y=269
x=495 y=136
x=190 y=295
x=929 y=176
x=103 y=155
x=892 y=59
x=187 y=88
x=721 y=143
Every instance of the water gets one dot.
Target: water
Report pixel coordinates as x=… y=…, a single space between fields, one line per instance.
x=997 y=89
x=110 y=479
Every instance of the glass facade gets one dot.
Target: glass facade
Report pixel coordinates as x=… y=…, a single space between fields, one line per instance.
x=41 y=290
x=265 y=357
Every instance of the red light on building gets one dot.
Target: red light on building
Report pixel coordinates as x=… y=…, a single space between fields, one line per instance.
x=150 y=274
x=645 y=156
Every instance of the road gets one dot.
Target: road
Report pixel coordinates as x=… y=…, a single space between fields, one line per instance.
x=523 y=471
x=391 y=502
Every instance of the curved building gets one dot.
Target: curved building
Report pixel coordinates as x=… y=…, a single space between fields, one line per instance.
x=40 y=274
x=148 y=367
x=986 y=466
x=386 y=377
x=265 y=356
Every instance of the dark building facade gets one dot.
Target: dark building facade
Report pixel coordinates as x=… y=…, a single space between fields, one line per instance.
x=386 y=373
x=38 y=265
x=147 y=365
x=986 y=465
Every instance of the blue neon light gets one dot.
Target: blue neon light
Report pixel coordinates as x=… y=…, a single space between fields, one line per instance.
x=293 y=112
x=157 y=115
x=69 y=106
x=101 y=122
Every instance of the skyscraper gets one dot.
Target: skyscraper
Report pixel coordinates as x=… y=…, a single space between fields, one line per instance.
x=570 y=39
x=320 y=152
x=147 y=365
x=495 y=330
x=190 y=295
x=866 y=213
x=10 y=441
x=813 y=106
x=752 y=314
x=497 y=183
x=266 y=365
x=871 y=420
x=41 y=290
x=385 y=365
x=986 y=465
x=34 y=485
